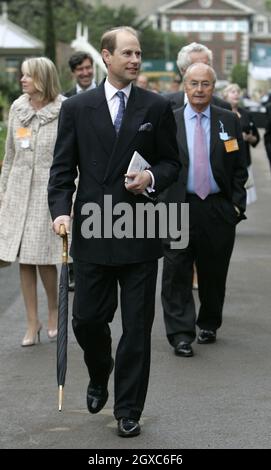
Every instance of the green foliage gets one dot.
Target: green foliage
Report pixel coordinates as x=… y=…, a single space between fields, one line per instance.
x=159 y=45
x=3 y=134
x=10 y=90
x=268 y=4
x=239 y=75
x=50 y=40
x=31 y=14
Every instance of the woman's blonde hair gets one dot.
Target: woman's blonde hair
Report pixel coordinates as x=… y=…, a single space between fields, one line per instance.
x=230 y=87
x=44 y=75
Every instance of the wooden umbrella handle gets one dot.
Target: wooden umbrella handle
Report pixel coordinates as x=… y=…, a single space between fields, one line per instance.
x=64 y=236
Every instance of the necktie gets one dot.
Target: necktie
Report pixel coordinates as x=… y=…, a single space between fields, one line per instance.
x=201 y=161
x=121 y=110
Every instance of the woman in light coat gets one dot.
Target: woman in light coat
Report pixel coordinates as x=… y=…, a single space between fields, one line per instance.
x=25 y=223
x=251 y=136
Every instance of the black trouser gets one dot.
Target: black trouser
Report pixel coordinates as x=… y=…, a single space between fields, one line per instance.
x=211 y=239
x=95 y=302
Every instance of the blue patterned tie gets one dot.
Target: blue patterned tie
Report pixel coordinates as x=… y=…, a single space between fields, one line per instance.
x=121 y=110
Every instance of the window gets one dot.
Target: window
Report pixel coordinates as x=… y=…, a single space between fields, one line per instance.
x=12 y=67
x=205 y=36
x=260 y=26
x=229 y=60
x=230 y=37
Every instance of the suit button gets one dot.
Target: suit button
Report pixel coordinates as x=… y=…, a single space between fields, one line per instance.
x=94 y=162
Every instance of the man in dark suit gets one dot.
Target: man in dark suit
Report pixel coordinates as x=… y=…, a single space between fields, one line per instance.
x=81 y=65
x=188 y=55
x=99 y=131
x=212 y=182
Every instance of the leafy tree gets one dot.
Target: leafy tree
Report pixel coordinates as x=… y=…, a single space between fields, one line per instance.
x=30 y=15
x=239 y=74
x=50 y=41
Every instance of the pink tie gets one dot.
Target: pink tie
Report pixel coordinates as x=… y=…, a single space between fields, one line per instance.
x=201 y=161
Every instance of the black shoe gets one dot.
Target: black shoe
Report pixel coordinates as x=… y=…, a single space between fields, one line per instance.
x=206 y=337
x=184 y=349
x=97 y=395
x=128 y=427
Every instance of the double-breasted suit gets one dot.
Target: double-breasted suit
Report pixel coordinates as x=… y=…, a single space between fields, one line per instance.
x=211 y=232
x=87 y=139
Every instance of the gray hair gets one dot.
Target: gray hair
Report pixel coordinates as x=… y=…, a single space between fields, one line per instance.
x=200 y=64
x=183 y=57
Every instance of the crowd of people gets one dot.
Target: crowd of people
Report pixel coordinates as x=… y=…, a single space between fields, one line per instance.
x=67 y=150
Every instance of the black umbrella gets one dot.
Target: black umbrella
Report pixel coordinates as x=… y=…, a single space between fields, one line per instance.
x=62 y=328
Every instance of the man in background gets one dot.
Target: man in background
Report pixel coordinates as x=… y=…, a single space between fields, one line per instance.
x=81 y=65
x=213 y=183
x=188 y=55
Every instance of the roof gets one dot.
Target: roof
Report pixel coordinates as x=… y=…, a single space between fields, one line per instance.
x=149 y=7
x=14 y=37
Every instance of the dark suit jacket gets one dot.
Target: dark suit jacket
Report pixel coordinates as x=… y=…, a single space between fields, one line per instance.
x=229 y=169
x=87 y=139
x=70 y=93
x=248 y=125
x=177 y=100
x=267 y=134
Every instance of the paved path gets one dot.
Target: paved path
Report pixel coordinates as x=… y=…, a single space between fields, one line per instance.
x=220 y=398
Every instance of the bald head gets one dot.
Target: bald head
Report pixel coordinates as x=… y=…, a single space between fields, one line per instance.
x=199 y=83
x=199 y=67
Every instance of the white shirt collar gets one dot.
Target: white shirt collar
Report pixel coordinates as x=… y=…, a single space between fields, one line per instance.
x=91 y=86
x=110 y=90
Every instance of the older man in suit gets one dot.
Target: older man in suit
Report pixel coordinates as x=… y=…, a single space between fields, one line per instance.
x=212 y=182
x=99 y=131
x=191 y=54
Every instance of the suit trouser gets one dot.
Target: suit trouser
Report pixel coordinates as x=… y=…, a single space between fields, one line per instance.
x=211 y=239
x=95 y=302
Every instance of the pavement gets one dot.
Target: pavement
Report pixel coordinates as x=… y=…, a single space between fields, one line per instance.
x=219 y=399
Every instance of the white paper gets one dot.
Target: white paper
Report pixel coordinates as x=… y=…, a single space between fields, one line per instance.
x=137 y=163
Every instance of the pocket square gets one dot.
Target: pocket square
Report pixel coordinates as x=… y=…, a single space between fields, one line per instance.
x=147 y=126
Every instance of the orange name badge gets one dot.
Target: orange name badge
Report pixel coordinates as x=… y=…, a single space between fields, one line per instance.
x=231 y=145
x=23 y=133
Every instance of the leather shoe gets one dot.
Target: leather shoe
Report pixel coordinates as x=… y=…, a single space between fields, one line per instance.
x=128 y=427
x=97 y=395
x=184 y=349
x=206 y=337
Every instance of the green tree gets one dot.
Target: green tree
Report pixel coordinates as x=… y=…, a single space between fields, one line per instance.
x=30 y=15
x=239 y=74
x=50 y=40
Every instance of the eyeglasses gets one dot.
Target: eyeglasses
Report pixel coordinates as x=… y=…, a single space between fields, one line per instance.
x=205 y=84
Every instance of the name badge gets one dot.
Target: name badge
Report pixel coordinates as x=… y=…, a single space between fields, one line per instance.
x=25 y=143
x=231 y=145
x=224 y=135
x=23 y=133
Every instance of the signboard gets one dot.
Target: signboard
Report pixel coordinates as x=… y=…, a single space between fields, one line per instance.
x=155 y=65
x=261 y=55
x=209 y=26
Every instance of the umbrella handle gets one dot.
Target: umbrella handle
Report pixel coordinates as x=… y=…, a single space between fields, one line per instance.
x=64 y=236
x=60 y=397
